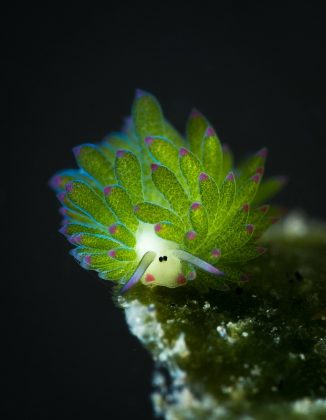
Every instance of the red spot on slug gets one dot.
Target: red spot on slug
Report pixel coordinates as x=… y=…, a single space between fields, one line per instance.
x=157 y=227
x=181 y=279
x=210 y=132
x=120 y=153
x=192 y=275
x=195 y=206
x=107 y=190
x=264 y=209
x=113 y=229
x=63 y=211
x=245 y=208
x=77 y=239
x=216 y=252
x=149 y=278
x=191 y=235
x=112 y=253
x=69 y=187
x=230 y=176
x=183 y=151
x=203 y=176
x=195 y=113
x=61 y=196
x=88 y=259
x=256 y=178
x=250 y=228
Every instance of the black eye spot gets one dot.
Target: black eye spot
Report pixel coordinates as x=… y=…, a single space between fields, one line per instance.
x=160 y=259
x=165 y=258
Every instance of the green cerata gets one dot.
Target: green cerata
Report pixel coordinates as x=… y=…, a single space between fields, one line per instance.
x=149 y=205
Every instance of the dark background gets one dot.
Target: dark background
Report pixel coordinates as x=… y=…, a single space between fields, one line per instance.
x=257 y=72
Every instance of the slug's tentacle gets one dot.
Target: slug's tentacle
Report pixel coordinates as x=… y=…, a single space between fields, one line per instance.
x=192 y=259
x=145 y=262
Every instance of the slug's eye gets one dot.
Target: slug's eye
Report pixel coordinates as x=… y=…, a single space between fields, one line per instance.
x=164 y=258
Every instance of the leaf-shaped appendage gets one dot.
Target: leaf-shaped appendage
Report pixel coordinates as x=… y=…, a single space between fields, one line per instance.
x=148 y=205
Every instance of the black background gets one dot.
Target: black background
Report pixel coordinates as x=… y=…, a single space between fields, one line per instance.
x=257 y=71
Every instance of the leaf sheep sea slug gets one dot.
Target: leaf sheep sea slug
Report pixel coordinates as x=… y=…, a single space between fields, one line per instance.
x=150 y=205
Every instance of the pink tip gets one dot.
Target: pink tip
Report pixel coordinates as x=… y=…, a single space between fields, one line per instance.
x=250 y=228
x=246 y=208
x=264 y=209
x=191 y=235
x=113 y=229
x=149 y=278
x=107 y=190
x=210 y=132
x=61 y=196
x=149 y=140
x=158 y=227
x=263 y=153
x=139 y=93
x=183 y=152
x=274 y=220
x=127 y=121
x=256 y=178
x=260 y=170
x=191 y=275
x=195 y=113
x=76 y=151
x=154 y=167
x=230 y=176
x=55 y=181
x=120 y=153
x=216 y=252
x=261 y=250
x=203 y=176
x=181 y=279
x=136 y=208
x=195 y=206
x=63 y=211
x=63 y=230
x=69 y=187
x=112 y=253
x=77 y=239
x=88 y=259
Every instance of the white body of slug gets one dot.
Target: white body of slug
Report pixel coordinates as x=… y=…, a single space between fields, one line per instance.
x=160 y=261
x=165 y=268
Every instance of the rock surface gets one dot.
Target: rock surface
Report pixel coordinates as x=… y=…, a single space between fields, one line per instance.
x=257 y=351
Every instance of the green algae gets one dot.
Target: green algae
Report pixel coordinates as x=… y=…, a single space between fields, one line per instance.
x=256 y=351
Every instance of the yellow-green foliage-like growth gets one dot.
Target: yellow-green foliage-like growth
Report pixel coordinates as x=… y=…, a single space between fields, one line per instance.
x=148 y=205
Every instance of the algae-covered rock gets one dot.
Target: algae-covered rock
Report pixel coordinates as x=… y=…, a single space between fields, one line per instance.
x=257 y=351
